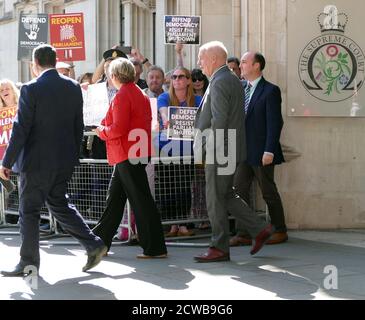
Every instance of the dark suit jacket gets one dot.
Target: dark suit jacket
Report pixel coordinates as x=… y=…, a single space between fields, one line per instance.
x=264 y=123
x=48 y=128
x=222 y=108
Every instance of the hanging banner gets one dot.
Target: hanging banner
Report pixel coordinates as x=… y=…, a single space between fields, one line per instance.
x=67 y=36
x=7 y=116
x=182 y=29
x=32 y=31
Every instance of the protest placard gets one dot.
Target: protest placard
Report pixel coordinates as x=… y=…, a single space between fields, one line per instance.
x=7 y=116
x=182 y=29
x=67 y=36
x=96 y=104
x=32 y=31
x=181 y=123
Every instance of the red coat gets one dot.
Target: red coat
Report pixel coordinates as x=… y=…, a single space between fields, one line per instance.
x=129 y=110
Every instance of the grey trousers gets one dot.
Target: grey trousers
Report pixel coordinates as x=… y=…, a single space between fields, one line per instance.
x=222 y=200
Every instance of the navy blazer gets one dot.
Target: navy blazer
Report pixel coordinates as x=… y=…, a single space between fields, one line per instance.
x=264 y=123
x=48 y=128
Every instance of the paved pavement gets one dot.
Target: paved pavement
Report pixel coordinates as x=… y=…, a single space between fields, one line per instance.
x=293 y=270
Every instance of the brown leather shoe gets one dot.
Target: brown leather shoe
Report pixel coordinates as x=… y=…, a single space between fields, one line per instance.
x=278 y=237
x=261 y=238
x=145 y=256
x=187 y=233
x=204 y=226
x=239 y=241
x=171 y=234
x=212 y=255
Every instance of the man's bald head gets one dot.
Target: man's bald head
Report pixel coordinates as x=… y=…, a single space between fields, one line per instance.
x=212 y=56
x=216 y=49
x=251 y=65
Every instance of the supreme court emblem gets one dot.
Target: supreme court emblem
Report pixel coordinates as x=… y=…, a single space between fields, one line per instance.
x=332 y=66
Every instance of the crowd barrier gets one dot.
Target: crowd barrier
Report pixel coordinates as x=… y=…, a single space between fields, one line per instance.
x=87 y=191
x=171 y=181
x=177 y=185
x=9 y=210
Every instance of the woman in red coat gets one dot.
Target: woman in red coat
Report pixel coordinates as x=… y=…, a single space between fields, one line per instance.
x=126 y=130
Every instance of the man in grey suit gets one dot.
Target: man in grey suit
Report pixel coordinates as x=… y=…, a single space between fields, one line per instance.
x=220 y=143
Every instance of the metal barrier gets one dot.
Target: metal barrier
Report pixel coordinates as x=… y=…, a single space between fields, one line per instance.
x=87 y=190
x=88 y=187
x=178 y=187
x=10 y=207
x=179 y=190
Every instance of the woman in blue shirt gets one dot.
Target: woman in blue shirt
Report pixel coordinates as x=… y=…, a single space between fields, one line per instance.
x=175 y=177
x=180 y=94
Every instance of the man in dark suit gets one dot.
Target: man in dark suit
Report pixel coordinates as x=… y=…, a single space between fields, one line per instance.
x=44 y=148
x=220 y=143
x=263 y=128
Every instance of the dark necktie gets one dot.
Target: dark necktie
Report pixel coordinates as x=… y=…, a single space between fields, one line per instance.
x=247 y=95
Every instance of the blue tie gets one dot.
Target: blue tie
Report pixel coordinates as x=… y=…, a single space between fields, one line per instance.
x=247 y=95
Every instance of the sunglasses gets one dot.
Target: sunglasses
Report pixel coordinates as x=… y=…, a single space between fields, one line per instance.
x=197 y=79
x=178 y=76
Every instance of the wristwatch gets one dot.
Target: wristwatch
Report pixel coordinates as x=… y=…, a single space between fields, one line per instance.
x=144 y=61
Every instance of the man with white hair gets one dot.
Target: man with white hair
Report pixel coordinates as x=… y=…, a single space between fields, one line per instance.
x=220 y=120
